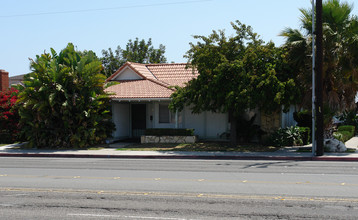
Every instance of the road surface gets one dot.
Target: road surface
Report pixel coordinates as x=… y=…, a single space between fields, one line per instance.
x=88 y=188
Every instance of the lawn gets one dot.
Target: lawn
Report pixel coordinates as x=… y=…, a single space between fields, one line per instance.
x=95 y=147
x=201 y=146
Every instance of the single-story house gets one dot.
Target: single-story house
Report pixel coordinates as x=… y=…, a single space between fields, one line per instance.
x=141 y=100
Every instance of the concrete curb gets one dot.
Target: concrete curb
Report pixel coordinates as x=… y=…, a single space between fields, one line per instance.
x=298 y=158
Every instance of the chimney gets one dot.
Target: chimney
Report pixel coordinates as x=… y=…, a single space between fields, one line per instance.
x=4 y=80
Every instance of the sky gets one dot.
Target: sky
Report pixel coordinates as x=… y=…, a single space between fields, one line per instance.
x=28 y=28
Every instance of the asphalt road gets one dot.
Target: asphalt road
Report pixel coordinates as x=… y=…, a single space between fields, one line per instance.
x=79 y=188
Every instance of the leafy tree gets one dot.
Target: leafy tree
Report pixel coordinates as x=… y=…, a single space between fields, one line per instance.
x=340 y=49
x=136 y=51
x=111 y=61
x=63 y=103
x=236 y=74
x=9 y=117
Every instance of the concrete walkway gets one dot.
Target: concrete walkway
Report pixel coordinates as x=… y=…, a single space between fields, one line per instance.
x=287 y=153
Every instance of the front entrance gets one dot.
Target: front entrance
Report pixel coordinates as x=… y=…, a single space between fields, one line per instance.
x=139 y=120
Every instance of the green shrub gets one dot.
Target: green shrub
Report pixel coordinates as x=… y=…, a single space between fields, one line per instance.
x=303 y=118
x=344 y=133
x=287 y=136
x=349 y=118
x=247 y=130
x=6 y=138
x=169 y=132
x=349 y=128
x=305 y=134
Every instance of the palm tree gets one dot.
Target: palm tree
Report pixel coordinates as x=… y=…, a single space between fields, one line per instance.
x=340 y=52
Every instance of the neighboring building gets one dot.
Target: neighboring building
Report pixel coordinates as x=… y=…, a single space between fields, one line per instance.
x=16 y=80
x=4 y=80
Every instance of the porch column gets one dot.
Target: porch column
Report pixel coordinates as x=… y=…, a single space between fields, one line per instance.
x=176 y=118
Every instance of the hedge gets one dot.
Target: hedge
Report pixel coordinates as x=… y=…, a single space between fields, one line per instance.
x=169 y=132
x=344 y=133
x=349 y=128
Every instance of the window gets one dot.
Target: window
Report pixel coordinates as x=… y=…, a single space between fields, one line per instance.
x=164 y=113
x=166 y=116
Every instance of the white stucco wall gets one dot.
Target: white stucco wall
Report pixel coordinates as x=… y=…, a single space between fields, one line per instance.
x=150 y=115
x=216 y=124
x=128 y=74
x=207 y=125
x=196 y=121
x=287 y=118
x=121 y=119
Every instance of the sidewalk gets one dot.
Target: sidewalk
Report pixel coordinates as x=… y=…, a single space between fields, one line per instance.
x=287 y=153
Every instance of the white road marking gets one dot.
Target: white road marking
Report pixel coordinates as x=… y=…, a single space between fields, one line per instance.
x=126 y=216
x=15 y=195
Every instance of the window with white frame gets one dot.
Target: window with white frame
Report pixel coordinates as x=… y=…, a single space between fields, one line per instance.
x=166 y=116
x=164 y=113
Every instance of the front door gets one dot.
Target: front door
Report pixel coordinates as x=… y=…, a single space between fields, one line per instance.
x=139 y=122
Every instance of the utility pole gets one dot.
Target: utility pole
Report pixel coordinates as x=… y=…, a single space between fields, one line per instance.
x=313 y=81
x=319 y=84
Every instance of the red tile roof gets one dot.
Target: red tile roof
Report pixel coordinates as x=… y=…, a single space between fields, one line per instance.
x=143 y=70
x=156 y=82
x=139 y=89
x=175 y=74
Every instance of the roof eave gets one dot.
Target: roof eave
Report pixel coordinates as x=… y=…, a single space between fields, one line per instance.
x=140 y=99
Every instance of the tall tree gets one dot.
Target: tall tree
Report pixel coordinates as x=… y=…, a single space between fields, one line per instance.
x=63 y=103
x=236 y=74
x=136 y=51
x=340 y=52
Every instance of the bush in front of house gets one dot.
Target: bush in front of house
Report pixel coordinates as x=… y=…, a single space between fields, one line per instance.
x=63 y=103
x=303 y=118
x=290 y=136
x=344 y=133
x=349 y=118
x=305 y=134
x=247 y=130
x=169 y=132
x=349 y=128
x=9 y=117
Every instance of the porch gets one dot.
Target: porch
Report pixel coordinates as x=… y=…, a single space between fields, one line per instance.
x=131 y=118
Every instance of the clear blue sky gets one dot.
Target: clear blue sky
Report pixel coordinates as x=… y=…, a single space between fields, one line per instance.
x=30 y=27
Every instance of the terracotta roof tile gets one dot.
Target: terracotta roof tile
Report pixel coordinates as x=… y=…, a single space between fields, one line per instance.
x=142 y=69
x=139 y=89
x=156 y=82
x=175 y=74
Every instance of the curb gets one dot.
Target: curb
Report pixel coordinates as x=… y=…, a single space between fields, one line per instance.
x=321 y=158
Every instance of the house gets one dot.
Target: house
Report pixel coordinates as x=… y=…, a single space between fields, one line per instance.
x=141 y=100
x=16 y=80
